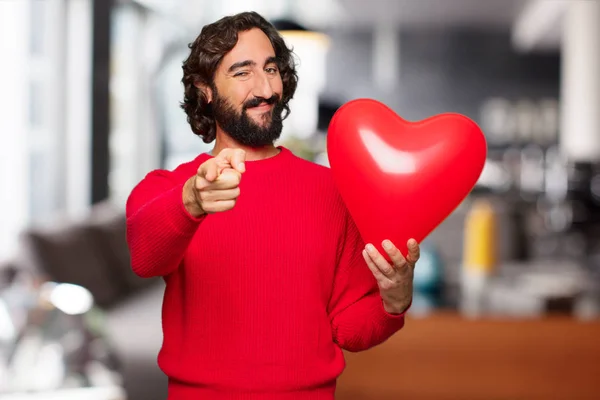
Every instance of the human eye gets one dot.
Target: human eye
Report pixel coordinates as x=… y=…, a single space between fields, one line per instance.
x=271 y=70
x=241 y=74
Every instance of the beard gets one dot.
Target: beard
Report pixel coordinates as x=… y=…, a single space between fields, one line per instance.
x=243 y=129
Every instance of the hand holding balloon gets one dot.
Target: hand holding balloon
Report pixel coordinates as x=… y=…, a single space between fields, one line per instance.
x=395 y=279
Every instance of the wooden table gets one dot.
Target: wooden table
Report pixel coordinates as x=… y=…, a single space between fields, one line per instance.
x=447 y=357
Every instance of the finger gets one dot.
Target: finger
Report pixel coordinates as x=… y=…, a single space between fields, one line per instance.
x=395 y=255
x=209 y=170
x=376 y=272
x=219 y=206
x=234 y=157
x=380 y=262
x=414 y=251
x=222 y=165
x=237 y=159
x=228 y=179
x=219 y=195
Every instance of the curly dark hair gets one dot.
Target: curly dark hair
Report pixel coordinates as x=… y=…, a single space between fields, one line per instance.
x=207 y=51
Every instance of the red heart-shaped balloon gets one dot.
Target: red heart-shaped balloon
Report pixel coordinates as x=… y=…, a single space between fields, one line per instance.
x=401 y=179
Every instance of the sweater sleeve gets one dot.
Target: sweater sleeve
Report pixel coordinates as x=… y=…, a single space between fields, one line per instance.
x=358 y=318
x=159 y=228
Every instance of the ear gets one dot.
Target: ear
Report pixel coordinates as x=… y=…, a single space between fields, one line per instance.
x=206 y=89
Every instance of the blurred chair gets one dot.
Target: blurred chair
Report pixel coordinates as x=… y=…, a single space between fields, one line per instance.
x=93 y=253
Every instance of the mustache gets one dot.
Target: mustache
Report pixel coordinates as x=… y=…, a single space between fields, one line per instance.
x=257 y=101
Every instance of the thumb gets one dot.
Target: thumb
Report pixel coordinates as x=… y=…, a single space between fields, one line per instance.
x=238 y=159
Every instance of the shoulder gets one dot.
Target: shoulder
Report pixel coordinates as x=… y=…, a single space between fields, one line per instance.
x=316 y=177
x=307 y=167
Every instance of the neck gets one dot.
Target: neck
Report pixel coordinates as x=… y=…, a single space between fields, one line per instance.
x=224 y=141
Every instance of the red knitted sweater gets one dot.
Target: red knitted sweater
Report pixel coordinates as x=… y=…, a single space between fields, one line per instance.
x=259 y=300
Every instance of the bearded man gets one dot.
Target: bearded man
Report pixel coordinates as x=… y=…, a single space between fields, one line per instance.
x=267 y=277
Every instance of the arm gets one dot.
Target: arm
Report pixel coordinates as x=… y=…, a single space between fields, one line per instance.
x=159 y=227
x=163 y=215
x=358 y=318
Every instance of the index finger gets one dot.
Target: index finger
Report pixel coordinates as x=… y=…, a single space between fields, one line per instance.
x=235 y=158
x=209 y=171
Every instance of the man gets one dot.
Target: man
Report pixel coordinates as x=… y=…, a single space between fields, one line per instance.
x=267 y=278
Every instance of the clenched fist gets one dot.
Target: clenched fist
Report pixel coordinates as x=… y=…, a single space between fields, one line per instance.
x=215 y=187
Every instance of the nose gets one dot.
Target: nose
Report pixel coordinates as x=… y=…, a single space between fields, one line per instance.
x=262 y=86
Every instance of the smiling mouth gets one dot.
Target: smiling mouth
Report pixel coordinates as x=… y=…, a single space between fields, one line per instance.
x=262 y=107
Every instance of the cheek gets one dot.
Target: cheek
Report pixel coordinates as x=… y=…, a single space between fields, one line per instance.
x=245 y=91
x=239 y=96
x=277 y=85
x=235 y=94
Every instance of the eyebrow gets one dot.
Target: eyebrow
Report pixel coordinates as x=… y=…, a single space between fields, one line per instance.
x=250 y=63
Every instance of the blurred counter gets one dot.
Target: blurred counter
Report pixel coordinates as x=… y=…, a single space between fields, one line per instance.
x=99 y=393
x=444 y=356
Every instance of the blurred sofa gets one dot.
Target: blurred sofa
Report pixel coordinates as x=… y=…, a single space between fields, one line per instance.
x=92 y=252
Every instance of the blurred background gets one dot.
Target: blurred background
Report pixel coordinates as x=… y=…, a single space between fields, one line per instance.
x=508 y=287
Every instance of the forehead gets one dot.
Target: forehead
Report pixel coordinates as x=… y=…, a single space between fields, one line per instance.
x=252 y=45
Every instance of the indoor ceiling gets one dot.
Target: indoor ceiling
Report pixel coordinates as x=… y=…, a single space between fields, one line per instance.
x=534 y=23
x=435 y=13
